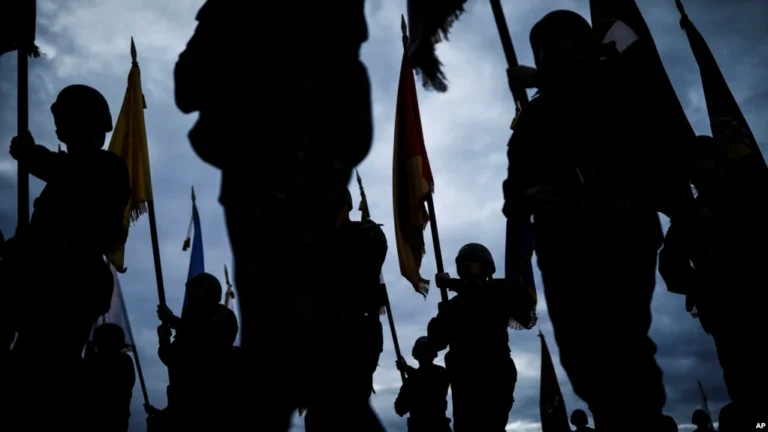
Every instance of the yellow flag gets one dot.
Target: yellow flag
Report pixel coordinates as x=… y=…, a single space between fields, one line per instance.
x=129 y=140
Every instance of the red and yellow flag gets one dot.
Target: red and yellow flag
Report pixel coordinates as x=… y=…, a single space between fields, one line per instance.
x=129 y=140
x=412 y=180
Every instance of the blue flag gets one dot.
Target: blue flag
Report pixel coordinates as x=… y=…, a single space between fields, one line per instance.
x=196 y=261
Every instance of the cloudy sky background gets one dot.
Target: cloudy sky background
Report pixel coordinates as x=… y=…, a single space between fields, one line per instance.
x=466 y=131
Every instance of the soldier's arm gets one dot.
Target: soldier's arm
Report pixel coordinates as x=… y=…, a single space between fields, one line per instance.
x=403 y=401
x=41 y=162
x=516 y=184
x=374 y=245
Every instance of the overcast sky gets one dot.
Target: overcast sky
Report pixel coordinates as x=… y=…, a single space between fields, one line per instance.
x=466 y=131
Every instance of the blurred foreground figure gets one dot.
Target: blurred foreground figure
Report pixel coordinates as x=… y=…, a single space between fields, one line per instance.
x=473 y=325
x=109 y=377
x=668 y=424
x=580 y=162
x=580 y=421
x=348 y=317
x=286 y=138
x=701 y=420
x=199 y=356
x=77 y=220
x=424 y=394
x=716 y=258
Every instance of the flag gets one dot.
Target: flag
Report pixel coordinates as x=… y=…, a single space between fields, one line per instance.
x=430 y=22
x=17 y=26
x=670 y=135
x=412 y=180
x=554 y=417
x=229 y=297
x=725 y=116
x=196 y=261
x=129 y=140
x=118 y=313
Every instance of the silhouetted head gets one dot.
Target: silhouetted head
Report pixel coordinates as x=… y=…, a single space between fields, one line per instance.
x=726 y=419
x=579 y=418
x=563 y=48
x=109 y=337
x=203 y=290
x=668 y=424
x=474 y=262
x=700 y=418
x=423 y=351
x=82 y=117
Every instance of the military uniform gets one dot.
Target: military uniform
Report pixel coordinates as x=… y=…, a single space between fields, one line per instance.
x=109 y=377
x=197 y=359
x=283 y=159
x=584 y=141
x=77 y=220
x=725 y=284
x=424 y=393
x=474 y=325
x=350 y=327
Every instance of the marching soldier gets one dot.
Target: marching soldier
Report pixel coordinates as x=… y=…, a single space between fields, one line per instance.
x=200 y=352
x=424 y=393
x=594 y=189
x=77 y=220
x=277 y=195
x=580 y=421
x=474 y=325
x=350 y=326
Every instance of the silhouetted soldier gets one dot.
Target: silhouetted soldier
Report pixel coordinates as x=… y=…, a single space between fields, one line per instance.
x=277 y=192
x=580 y=421
x=109 y=377
x=728 y=420
x=579 y=161
x=701 y=420
x=349 y=327
x=201 y=350
x=77 y=220
x=714 y=258
x=424 y=393
x=474 y=325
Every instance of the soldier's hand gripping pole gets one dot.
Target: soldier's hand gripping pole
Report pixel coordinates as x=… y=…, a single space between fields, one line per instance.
x=436 y=244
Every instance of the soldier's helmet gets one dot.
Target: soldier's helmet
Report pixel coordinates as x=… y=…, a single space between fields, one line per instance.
x=558 y=25
x=423 y=349
x=209 y=285
x=700 y=418
x=82 y=107
x=109 y=337
x=579 y=418
x=475 y=252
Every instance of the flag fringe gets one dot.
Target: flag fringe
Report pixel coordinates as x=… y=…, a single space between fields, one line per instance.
x=426 y=64
x=138 y=211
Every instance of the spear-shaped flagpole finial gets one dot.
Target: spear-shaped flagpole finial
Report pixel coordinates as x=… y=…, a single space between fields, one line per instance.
x=133 y=52
x=403 y=25
x=193 y=195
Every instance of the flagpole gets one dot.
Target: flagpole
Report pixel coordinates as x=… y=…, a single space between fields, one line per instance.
x=22 y=204
x=140 y=374
x=367 y=215
x=518 y=92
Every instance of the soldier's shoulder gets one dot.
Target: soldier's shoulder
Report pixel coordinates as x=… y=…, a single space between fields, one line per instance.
x=371 y=229
x=112 y=161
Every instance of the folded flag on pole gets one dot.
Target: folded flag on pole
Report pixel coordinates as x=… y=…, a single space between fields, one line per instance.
x=725 y=116
x=411 y=178
x=129 y=140
x=554 y=417
x=196 y=260
x=17 y=26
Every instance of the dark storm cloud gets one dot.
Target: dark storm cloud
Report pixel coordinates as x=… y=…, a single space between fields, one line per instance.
x=466 y=132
